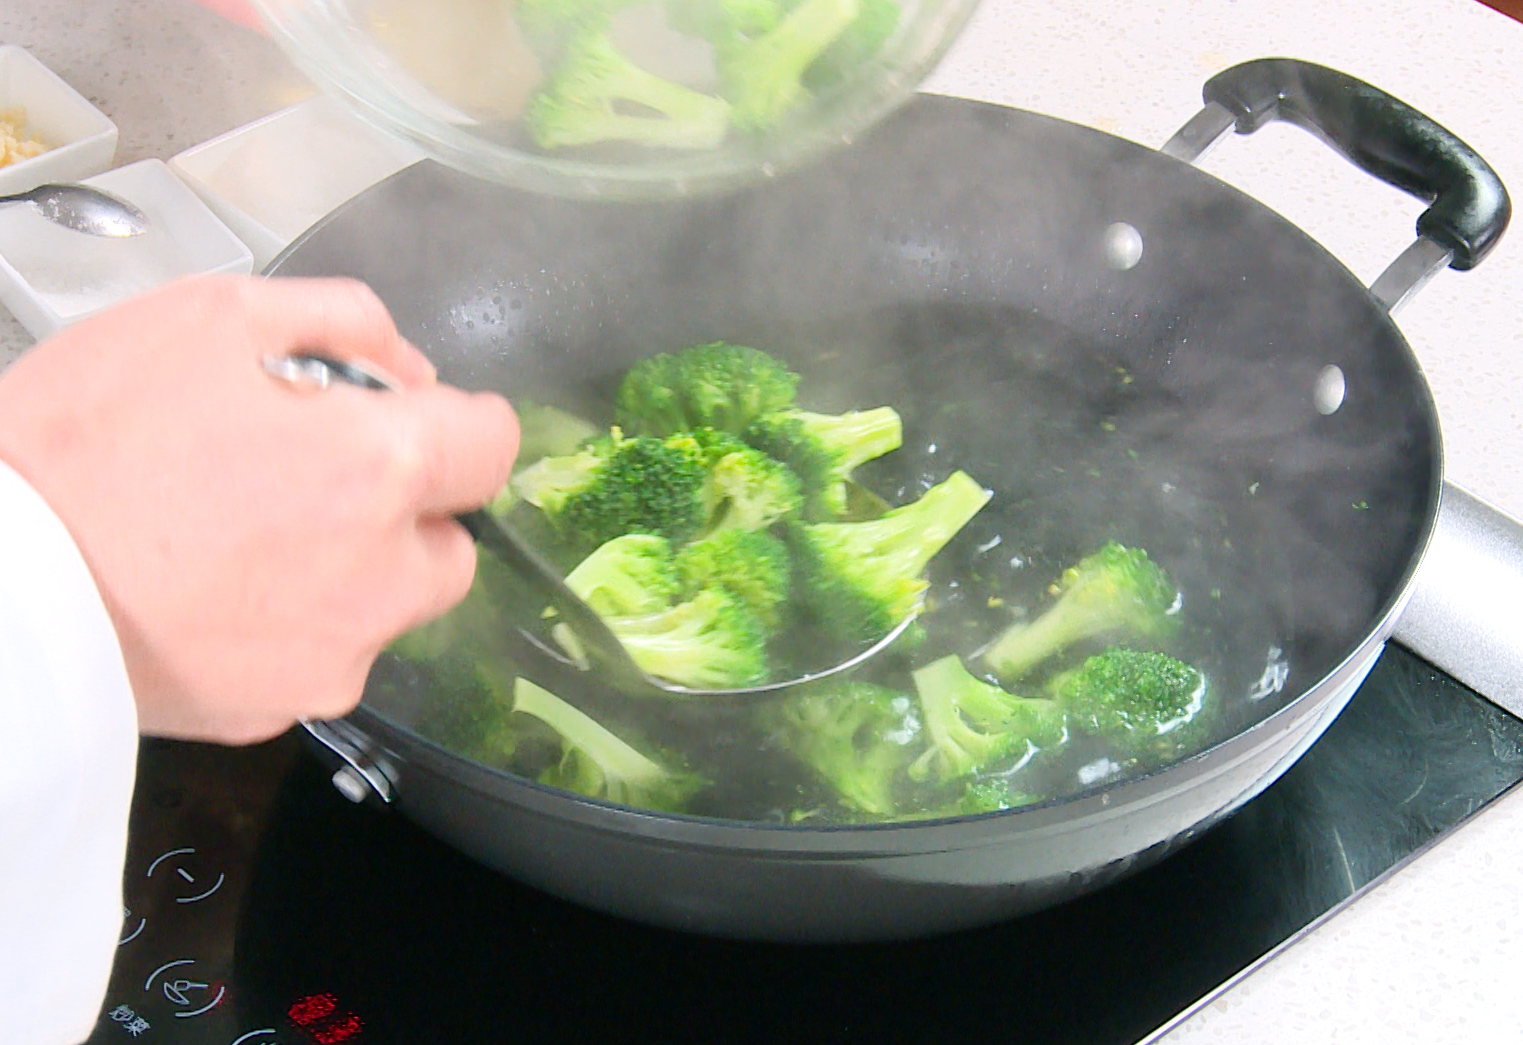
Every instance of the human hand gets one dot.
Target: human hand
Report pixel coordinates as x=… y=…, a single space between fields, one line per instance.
x=256 y=546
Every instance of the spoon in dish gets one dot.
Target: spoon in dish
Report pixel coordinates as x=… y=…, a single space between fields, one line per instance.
x=84 y=209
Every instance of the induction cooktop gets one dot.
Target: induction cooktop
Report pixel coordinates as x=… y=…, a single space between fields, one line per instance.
x=263 y=907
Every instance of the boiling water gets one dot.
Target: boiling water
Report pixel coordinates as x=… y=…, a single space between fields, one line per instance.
x=1068 y=438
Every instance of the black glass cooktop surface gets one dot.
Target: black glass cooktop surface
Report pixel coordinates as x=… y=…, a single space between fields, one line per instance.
x=264 y=908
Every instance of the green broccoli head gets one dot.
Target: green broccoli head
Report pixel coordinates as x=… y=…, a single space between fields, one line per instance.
x=714 y=638
x=745 y=488
x=716 y=385
x=750 y=491
x=596 y=94
x=856 y=736
x=710 y=641
x=599 y=764
x=617 y=485
x=860 y=579
x=751 y=565
x=824 y=449
x=764 y=78
x=1116 y=590
x=972 y=724
x=1149 y=704
x=629 y=575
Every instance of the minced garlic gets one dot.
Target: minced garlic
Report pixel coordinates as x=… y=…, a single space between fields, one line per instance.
x=13 y=147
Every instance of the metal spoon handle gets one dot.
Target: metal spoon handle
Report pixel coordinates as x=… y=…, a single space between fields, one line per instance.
x=530 y=567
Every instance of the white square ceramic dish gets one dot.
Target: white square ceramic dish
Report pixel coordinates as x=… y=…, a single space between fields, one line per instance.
x=272 y=179
x=81 y=140
x=51 y=276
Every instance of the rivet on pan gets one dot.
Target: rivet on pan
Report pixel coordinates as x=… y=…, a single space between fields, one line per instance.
x=1123 y=246
x=1327 y=394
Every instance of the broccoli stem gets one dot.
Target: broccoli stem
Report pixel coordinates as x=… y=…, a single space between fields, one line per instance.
x=858 y=436
x=1114 y=589
x=765 y=77
x=582 y=103
x=907 y=538
x=616 y=759
x=1024 y=646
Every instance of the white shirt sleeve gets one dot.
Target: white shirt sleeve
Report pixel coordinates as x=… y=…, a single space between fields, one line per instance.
x=69 y=727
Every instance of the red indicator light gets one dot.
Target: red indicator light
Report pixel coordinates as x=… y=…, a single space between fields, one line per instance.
x=346 y=1029
x=312 y=1008
x=318 y=1015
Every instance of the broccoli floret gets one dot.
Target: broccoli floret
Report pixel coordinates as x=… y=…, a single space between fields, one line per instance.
x=751 y=565
x=750 y=491
x=764 y=77
x=717 y=385
x=1148 y=704
x=745 y=488
x=824 y=449
x=860 y=579
x=855 y=735
x=972 y=724
x=616 y=486
x=596 y=94
x=1113 y=590
x=597 y=763
x=710 y=641
x=856 y=46
x=631 y=575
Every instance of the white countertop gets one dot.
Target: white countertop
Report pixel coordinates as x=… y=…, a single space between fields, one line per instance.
x=1428 y=954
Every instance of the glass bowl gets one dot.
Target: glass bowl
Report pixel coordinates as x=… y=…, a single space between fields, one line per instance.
x=476 y=84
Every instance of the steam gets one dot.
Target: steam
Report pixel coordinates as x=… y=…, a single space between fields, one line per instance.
x=1227 y=398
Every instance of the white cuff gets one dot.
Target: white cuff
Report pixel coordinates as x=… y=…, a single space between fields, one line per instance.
x=70 y=731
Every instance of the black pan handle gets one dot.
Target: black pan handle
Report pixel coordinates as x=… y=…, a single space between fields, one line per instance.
x=1382 y=135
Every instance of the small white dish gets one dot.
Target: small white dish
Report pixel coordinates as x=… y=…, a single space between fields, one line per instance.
x=51 y=276
x=81 y=140
x=272 y=179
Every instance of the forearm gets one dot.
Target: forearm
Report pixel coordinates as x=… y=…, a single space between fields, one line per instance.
x=67 y=713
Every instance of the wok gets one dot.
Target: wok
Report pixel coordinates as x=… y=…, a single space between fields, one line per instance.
x=1231 y=398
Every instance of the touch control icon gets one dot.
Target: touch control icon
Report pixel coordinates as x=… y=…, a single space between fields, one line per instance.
x=191 y=995
x=129 y=930
x=195 y=883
